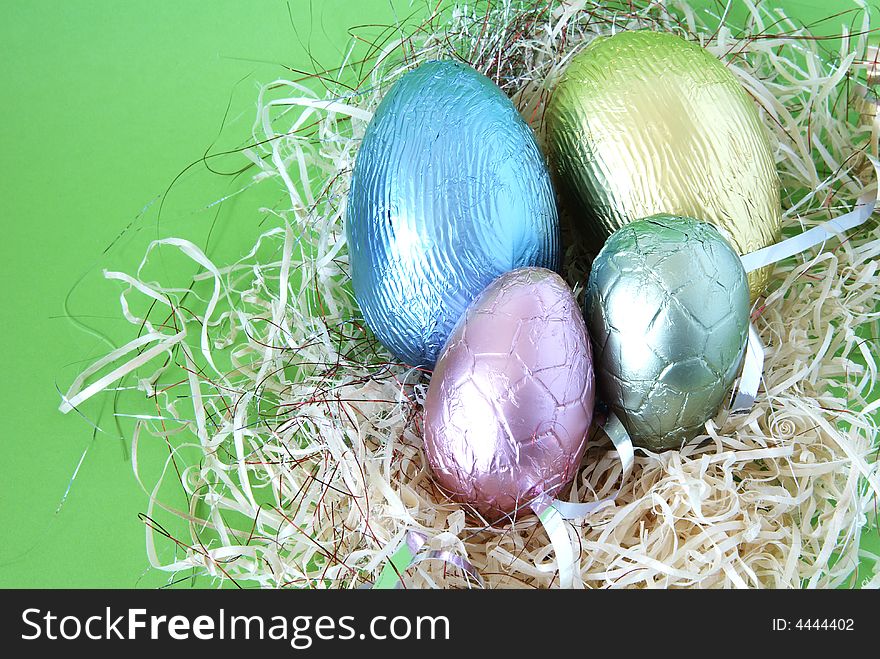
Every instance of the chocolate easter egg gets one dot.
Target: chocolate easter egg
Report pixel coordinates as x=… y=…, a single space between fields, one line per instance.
x=449 y=191
x=511 y=399
x=644 y=123
x=667 y=307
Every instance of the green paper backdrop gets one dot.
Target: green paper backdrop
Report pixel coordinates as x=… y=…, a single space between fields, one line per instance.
x=104 y=103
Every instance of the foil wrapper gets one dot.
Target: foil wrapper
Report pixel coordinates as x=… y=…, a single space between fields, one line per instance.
x=511 y=400
x=449 y=191
x=667 y=307
x=644 y=123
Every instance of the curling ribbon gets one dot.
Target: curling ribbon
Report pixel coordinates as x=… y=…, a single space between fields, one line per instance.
x=554 y=513
x=753 y=364
x=752 y=371
x=815 y=236
x=409 y=554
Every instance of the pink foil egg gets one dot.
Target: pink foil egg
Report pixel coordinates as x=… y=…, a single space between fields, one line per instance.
x=511 y=399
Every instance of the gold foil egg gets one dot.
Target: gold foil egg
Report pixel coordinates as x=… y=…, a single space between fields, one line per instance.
x=643 y=123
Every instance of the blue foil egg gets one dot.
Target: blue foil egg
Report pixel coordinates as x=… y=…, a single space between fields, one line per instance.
x=449 y=191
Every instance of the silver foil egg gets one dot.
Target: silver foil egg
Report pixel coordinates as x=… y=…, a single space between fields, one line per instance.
x=511 y=400
x=449 y=191
x=667 y=307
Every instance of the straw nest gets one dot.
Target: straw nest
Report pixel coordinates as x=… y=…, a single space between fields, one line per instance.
x=297 y=441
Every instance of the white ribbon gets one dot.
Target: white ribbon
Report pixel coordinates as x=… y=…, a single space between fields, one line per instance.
x=554 y=513
x=817 y=235
x=753 y=363
x=752 y=371
x=410 y=553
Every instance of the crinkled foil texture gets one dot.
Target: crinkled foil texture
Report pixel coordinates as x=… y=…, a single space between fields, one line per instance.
x=644 y=123
x=449 y=191
x=511 y=400
x=667 y=306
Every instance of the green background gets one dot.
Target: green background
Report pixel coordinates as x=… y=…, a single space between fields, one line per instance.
x=103 y=104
